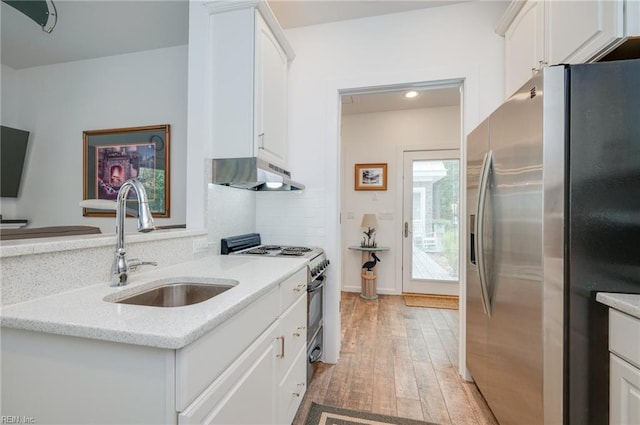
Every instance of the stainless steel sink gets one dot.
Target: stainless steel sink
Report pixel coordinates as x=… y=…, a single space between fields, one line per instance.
x=175 y=294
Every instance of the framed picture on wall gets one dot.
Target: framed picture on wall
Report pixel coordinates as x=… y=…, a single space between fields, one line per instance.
x=111 y=157
x=371 y=176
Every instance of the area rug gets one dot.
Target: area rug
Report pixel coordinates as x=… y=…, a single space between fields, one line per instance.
x=320 y=414
x=432 y=301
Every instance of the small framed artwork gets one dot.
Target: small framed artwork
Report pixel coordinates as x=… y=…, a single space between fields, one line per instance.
x=371 y=176
x=111 y=157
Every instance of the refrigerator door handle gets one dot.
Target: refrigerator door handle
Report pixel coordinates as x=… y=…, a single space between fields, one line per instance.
x=487 y=165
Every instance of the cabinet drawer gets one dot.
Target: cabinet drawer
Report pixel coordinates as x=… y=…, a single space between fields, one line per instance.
x=199 y=363
x=624 y=336
x=293 y=328
x=292 y=288
x=292 y=388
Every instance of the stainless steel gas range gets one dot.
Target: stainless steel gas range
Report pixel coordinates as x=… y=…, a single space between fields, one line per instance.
x=251 y=244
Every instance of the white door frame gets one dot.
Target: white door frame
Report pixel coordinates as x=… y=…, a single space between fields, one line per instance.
x=437 y=287
x=333 y=183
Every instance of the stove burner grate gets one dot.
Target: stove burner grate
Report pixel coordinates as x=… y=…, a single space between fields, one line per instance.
x=271 y=247
x=257 y=251
x=292 y=253
x=297 y=249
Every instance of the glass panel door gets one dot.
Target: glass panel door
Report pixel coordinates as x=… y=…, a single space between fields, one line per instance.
x=431 y=243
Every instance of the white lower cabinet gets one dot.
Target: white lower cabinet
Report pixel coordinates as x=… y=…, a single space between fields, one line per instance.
x=266 y=383
x=243 y=394
x=251 y=369
x=292 y=366
x=292 y=387
x=624 y=368
x=625 y=392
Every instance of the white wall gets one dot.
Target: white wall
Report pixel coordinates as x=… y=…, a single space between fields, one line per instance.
x=380 y=137
x=58 y=102
x=443 y=43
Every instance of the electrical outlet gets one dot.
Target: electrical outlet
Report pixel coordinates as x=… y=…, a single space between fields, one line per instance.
x=202 y=244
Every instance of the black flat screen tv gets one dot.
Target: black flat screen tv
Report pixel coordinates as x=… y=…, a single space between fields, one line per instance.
x=13 y=151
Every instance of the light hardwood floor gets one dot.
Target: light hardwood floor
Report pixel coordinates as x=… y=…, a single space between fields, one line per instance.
x=400 y=361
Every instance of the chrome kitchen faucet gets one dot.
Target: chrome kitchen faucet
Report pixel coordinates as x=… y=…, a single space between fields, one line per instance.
x=121 y=267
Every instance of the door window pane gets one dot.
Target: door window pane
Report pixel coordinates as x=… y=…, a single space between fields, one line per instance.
x=435 y=219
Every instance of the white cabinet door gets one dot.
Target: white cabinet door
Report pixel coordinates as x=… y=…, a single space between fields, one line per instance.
x=524 y=46
x=578 y=30
x=244 y=393
x=624 y=392
x=271 y=96
x=293 y=387
x=293 y=334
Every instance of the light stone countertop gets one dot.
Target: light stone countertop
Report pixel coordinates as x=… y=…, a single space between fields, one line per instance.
x=84 y=313
x=12 y=248
x=626 y=303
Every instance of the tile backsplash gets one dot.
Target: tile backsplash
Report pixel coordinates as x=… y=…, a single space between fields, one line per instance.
x=230 y=212
x=292 y=218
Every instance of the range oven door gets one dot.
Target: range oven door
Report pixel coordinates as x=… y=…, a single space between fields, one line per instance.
x=314 y=307
x=314 y=353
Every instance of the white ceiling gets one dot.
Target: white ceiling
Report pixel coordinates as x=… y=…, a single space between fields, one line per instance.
x=89 y=29
x=430 y=97
x=298 y=13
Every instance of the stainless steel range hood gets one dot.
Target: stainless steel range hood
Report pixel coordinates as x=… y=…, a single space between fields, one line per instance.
x=252 y=174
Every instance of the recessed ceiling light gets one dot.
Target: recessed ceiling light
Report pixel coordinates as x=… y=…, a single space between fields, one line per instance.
x=411 y=94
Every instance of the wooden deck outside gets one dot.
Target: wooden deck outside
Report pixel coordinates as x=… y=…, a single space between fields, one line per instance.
x=425 y=267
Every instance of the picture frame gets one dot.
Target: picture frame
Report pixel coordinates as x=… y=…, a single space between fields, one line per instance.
x=111 y=156
x=371 y=176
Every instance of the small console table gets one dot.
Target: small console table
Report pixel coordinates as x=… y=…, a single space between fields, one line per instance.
x=368 y=289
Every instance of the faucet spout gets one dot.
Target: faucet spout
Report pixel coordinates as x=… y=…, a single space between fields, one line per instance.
x=120 y=272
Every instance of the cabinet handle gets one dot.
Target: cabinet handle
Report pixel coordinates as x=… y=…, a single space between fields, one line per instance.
x=281 y=355
x=299 y=392
x=541 y=64
x=406 y=229
x=299 y=287
x=300 y=329
x=261 y=136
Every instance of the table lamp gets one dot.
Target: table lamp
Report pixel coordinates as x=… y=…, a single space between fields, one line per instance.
x=370 y=223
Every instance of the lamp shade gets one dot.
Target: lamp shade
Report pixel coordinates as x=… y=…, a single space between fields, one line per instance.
x=369 y=220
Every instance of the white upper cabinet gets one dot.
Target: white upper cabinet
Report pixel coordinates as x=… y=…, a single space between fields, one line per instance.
x=539 y=33
x=249 y=65
x=270 y=96
x=524 y=46
x=578 y=30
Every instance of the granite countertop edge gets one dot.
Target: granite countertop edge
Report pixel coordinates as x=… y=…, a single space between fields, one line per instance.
x=626 y=303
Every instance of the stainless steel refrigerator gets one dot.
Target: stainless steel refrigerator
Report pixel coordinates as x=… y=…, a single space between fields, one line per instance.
x=553 y=201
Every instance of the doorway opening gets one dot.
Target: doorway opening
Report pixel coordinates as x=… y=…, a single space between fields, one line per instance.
x=379 y=125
